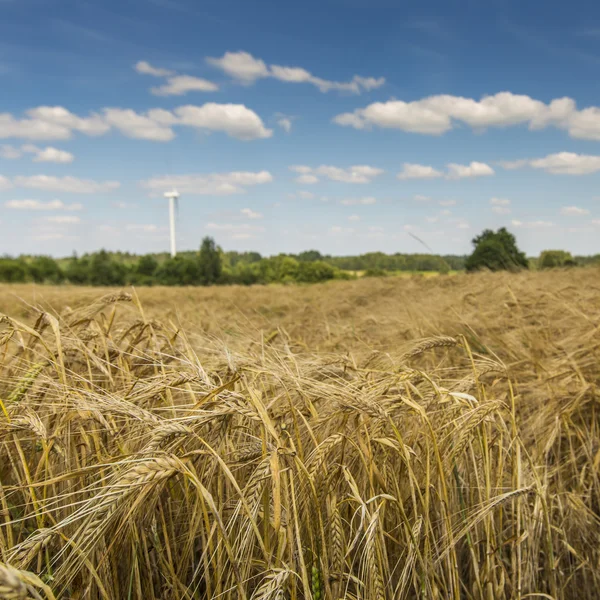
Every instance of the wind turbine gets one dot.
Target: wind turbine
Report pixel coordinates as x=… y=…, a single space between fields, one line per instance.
x=173 y=200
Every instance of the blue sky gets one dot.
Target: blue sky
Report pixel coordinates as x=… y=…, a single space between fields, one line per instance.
x=342 y=125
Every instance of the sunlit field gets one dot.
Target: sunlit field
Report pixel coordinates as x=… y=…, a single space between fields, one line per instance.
x=374 y=439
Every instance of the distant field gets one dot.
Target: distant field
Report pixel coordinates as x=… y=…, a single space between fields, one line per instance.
x=397 y=437
x=406 y=273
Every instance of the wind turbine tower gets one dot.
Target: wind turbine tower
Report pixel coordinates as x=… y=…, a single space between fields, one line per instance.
x=173 y=200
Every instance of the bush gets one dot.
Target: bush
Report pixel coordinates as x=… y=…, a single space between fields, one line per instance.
x=12 y=270
x=312 y=272
x=496 y=251
x=550 y=259
x=44 y=269
x=375 y=272
x=179 y=271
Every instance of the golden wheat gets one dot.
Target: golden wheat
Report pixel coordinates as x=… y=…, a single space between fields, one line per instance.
x=362 y=440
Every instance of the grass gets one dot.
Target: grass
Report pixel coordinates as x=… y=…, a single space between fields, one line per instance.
x=381 y=438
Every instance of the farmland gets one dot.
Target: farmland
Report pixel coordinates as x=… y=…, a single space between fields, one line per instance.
x=400 y=437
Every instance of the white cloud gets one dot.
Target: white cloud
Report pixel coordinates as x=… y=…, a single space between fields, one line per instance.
x=220 y=184
x=5 y=183
x=463 y=225
x=414 y=171
x=50 y=123
x=447 y=202
x=574 y=211
x=475 y=169
x=511 y=165
x=596 y=222
x=306 y=179
x=241 y=66
x=500 y=206
x=57 y=123
x=144 y=228
x=64 y=220
x=561 y=163
x=176 y=85
x=446 y=212
x=285 y=122
x=355 y=174
x=376 y=229
x=10 y=152
x=233 y=119
x=435 y=115
x=395 y=114
x=367 y=200
x=61 y=117
x=153 y=127
x=64 y=184
x=532 y=224
x=48 y=154
x=38 y=205
x=421 y=198
x=300 y=169
x=353 y=218
x=568 y=163
x=302 y=194
x=182 y=84
x=147 y=69
x=247 y=70
x=337 y=230
x=585 y=124
x=250 y=214
x=53 y=155
x=124 y=205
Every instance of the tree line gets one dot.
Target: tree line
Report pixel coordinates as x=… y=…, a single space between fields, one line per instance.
x=212 y=266
x=209 y=266
x=497 y=251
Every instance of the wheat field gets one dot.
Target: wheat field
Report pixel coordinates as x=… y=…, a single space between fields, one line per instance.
x=373 y=439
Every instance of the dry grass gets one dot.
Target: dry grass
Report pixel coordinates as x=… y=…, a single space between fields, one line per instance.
x=423 y=438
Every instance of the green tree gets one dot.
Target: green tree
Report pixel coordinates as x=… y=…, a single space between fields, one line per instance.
x=309 y=256
x=144 y=271
x=147 y=265
x=209 y=262
x=496 y=251
x=314 y=271
x=103 y=270
x=45 y=269
x=244 y=274
x=13 y=270
x=180 y=270
x=78 y=270
x=555 y=258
